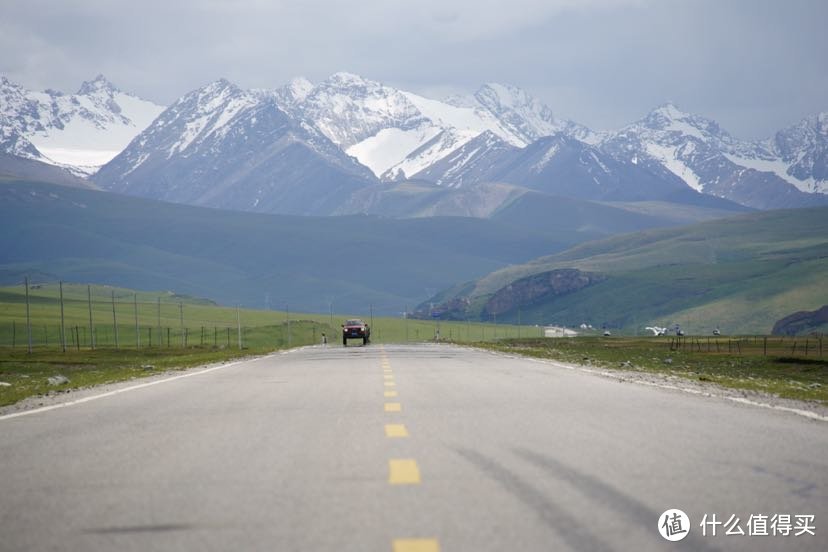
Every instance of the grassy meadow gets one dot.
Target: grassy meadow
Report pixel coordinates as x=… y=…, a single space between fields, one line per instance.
x=192 y=331
x=789 y=367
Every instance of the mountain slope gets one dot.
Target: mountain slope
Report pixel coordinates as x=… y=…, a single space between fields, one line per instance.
x=398 y=134
x=711 y=161
x=81 y=131
x=741 y=274
x=221 y=146
x=234 y=257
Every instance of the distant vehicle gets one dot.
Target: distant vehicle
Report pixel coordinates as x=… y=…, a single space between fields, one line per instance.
x=607 y=333
x=717 y=332
x=355 y=329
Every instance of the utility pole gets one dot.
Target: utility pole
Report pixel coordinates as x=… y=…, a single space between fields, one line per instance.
x=89 y=301
x=181 y=320
x=62 y=321
x=115 y=321
x=28 y=316
x=406 y=323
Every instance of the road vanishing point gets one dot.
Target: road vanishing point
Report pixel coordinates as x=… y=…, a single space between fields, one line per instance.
x=403 y=448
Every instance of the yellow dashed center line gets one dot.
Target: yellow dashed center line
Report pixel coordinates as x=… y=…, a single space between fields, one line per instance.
x=390 y=394
x=390 y=384
x=395 y=430
x=415 y=545
x=393 y=407
x=403 y=472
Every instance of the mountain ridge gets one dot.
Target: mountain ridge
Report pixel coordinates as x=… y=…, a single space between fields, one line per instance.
x=482 y=138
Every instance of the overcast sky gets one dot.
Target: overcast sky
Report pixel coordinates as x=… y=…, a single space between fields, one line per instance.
x=753 y=65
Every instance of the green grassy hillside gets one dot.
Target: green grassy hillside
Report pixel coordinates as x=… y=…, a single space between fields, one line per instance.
x=52 y=232
x=740 y=274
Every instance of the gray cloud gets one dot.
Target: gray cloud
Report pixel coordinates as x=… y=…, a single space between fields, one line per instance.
x=755 y=66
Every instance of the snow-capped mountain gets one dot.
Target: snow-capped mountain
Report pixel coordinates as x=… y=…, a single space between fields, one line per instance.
x=527 y=117
x=222 y=146
x=398 y=134
x=803 y=148
x=711 y=161
x=474 y=161
x=80 y=132
x=558 y=164
x=267 y=149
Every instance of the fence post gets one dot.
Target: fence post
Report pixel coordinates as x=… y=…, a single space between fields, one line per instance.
x=149 y=334
x=115 y=321
x=137 y=331
x=287 y=315
x=28 y=317
x=62 y=321
x=181 y=320
x=160 y=336
x=765 y=346
x=518 y=323
x=91 y=331
x=238 y=323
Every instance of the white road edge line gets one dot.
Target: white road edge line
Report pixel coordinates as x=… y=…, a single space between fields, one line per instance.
x=134 y=387
x=742 y=400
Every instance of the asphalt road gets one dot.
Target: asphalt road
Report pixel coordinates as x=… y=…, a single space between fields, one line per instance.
x=406 y=448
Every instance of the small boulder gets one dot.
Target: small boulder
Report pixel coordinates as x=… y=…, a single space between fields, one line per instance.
x=58 y=380
x=668 y=361
x=4 y=384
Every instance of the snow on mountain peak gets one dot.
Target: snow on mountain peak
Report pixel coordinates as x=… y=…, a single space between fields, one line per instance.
x=343 y=78
x=99 y=83
x=669 y=110
x=506 y=95
x=525 y=116
x=79 y=131
x=299 y=88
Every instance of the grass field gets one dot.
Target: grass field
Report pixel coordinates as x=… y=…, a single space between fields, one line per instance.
x=794 y=368
x=193 y=331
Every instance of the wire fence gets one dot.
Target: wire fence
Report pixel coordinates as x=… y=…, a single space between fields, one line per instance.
x=73 y=316
x=792 y=346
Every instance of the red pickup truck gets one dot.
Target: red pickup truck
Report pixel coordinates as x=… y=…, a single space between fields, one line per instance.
x=355 y=329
